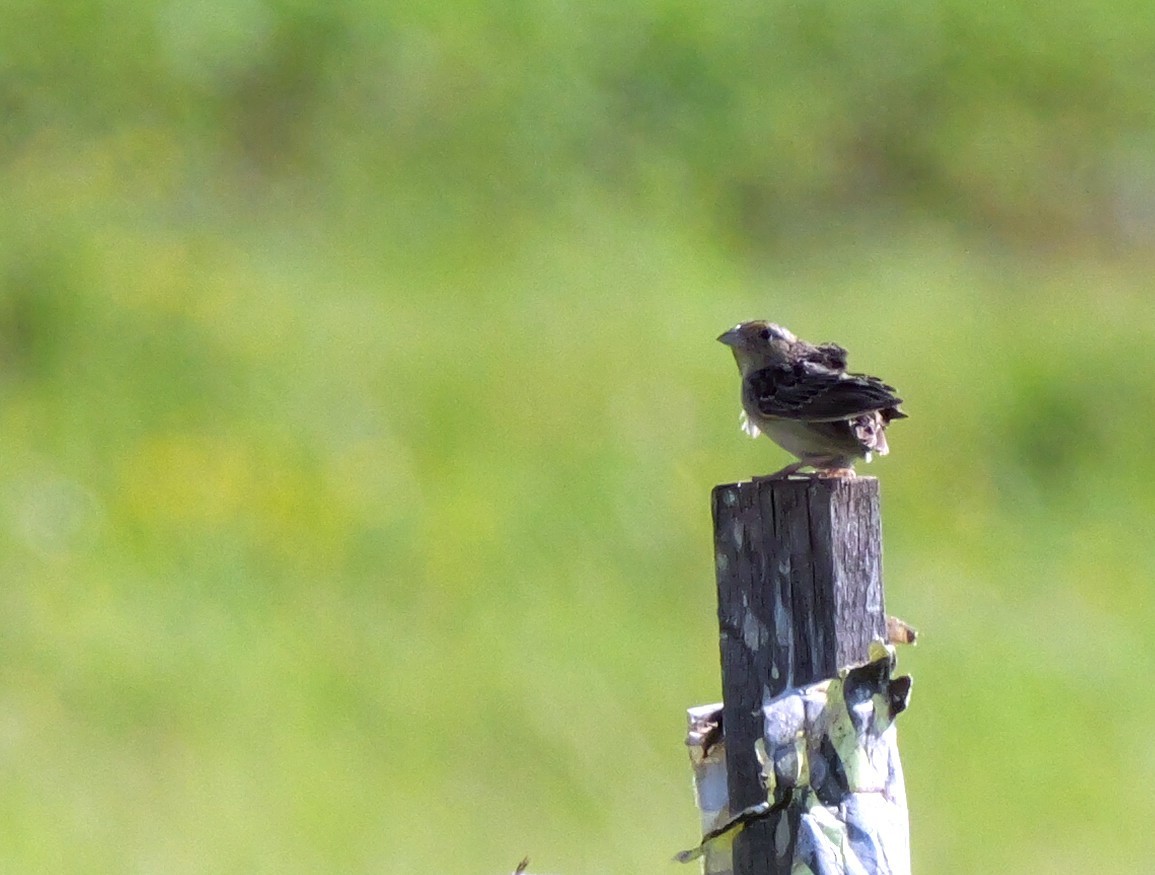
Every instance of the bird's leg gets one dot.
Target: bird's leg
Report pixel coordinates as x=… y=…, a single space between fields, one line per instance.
x=832 y=466
x=847 y=473
x=781 y=475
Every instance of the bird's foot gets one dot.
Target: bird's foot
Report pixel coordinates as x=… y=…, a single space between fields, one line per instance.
x=779 y=475
x=822 y=468
x=847 y=473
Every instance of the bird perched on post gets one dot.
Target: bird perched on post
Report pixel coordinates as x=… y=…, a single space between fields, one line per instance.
x=801 y=397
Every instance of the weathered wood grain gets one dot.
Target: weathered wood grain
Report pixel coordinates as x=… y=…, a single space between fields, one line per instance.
x=798 y=565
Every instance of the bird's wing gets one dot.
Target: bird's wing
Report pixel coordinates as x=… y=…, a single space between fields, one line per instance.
x=830 y=355
x=809 y=391
x=827 y=355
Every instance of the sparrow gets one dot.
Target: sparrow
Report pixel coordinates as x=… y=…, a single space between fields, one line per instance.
x=801 y=396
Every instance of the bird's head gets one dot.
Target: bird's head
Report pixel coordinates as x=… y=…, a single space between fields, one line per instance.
x=758 y=344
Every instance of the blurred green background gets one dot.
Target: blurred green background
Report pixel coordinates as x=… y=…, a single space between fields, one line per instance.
x=360 y=404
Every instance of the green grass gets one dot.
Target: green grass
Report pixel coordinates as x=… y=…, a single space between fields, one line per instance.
x=359 y=409
x=308 y=572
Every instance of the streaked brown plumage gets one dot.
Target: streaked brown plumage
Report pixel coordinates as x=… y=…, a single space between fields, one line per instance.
x=801 y=396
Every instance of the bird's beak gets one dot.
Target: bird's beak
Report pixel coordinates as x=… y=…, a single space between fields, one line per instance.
x=730 y=338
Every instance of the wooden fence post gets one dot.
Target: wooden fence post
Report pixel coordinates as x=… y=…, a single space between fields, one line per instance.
x=798 y=566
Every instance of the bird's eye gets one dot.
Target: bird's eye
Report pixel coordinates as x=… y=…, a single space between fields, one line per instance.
x=765 y=333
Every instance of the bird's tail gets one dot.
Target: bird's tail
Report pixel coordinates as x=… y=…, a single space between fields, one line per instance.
x=871 y=432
